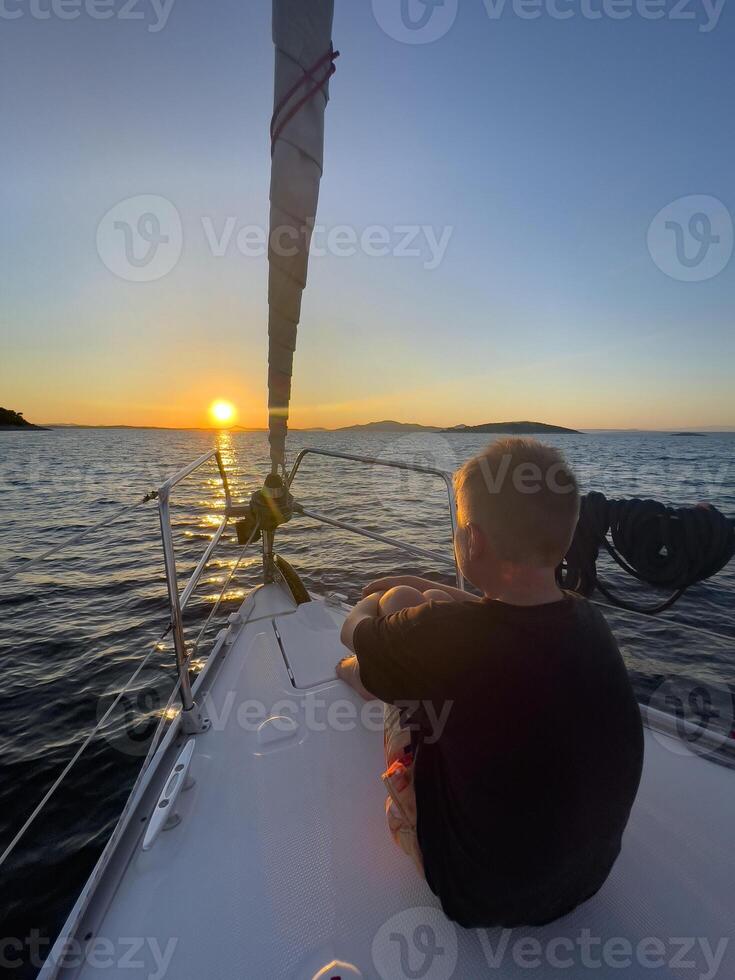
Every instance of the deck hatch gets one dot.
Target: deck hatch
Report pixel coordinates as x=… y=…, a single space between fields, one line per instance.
x=310 y=643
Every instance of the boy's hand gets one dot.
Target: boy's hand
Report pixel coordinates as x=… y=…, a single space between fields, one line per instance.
x=348 y=670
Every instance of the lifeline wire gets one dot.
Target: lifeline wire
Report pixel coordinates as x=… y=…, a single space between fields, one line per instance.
x=75 y=539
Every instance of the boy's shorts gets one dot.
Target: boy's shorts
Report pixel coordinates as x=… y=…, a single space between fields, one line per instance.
x=400 y=806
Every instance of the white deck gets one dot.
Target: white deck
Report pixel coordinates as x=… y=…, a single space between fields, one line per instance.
x=282 y=864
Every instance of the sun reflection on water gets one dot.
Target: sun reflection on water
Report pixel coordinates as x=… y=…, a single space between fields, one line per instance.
x=229 y=596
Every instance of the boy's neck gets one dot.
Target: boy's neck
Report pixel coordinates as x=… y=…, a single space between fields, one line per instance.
x=526 y=587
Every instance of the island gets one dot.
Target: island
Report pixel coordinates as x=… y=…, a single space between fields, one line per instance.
x=699 y=435
x=515 y=428
x=390 y=426
x=11 y=421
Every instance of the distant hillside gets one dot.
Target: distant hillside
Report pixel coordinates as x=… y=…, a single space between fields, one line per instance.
x=166 y=428
x=10 y=420
x=514 y=428
x=389 y=426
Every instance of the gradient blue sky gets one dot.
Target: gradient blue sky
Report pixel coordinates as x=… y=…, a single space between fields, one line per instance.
x=548 y=146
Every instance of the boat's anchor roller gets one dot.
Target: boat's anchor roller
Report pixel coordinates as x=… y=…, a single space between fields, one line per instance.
x=267 y=510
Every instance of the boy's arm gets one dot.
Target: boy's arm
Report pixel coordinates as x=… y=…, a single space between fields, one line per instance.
x=393 y=659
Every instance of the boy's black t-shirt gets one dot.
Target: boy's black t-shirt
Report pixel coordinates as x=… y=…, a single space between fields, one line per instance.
x=528 y=749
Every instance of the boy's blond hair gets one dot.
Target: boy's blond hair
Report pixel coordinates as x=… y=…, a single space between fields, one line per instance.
x=525 y=498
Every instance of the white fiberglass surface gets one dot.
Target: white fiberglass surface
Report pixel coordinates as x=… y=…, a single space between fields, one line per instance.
x=281 y=866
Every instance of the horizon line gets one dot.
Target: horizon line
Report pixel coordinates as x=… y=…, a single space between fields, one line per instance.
x=353 y=425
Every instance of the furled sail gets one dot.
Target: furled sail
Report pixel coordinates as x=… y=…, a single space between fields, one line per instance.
x=302 y=34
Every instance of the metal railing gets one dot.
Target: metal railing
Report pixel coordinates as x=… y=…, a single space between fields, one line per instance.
x=192 y=720
x=363 y=532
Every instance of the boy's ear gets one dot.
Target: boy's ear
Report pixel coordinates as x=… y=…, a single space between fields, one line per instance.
x=476 y=542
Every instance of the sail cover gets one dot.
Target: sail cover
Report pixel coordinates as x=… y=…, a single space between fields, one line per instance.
x=302 y=34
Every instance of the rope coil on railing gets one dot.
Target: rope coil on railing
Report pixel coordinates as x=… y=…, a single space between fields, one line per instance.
x=665 y=547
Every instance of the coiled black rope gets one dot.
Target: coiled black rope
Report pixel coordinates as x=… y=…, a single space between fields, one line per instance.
x=665 y=547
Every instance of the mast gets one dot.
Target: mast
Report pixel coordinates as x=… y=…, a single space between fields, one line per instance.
x=302 y=34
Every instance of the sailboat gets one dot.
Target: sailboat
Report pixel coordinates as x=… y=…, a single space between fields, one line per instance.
x=253 y=845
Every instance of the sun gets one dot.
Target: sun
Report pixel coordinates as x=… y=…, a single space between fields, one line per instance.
x=222 y=412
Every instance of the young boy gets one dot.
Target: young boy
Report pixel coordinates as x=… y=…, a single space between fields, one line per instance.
x=518 y=752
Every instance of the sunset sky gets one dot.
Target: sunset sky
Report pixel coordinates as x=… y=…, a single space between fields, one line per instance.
x=540 y=149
